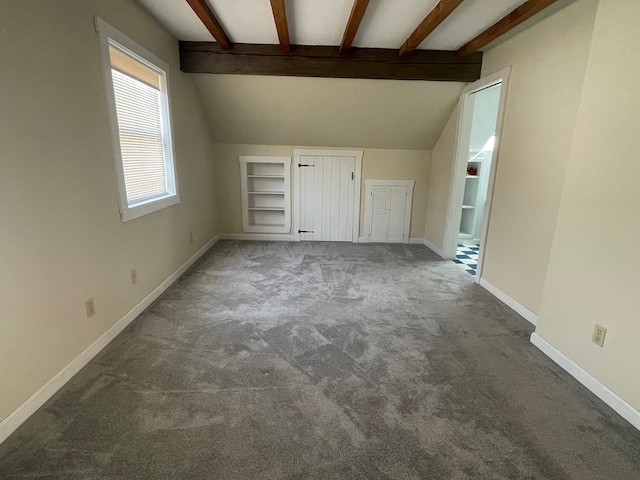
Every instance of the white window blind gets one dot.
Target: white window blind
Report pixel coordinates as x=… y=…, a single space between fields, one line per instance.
x=138 y=97
x=137 y=92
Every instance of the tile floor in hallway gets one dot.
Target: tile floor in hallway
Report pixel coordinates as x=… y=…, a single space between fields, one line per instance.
x=467 y=257
x=323 y=361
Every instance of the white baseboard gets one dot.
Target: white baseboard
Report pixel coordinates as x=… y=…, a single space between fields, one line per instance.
x=259 y=236
x=417 y=241
x=16 y=418
x=510 y=302
x=600 y=390
x=431 y=246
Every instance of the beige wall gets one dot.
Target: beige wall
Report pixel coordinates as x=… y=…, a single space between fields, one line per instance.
x=548 y=64
x=593 y=272
x=62 y=238
x=440 y=182
x=342 y=112
x=400 y=165
x=376 y=164
x=228 y=180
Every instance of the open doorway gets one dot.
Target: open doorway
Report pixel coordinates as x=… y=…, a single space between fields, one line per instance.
x=478 y=139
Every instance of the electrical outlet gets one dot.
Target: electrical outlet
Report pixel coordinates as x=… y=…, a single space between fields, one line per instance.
x=191 y=237
x=134 y=277
x=90 y=307
x=599 y=333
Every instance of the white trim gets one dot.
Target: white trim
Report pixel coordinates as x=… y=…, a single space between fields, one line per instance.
x=452 y=225
x=258 y=237
x=431 y=246
x=108 y=34
x=368 y=183
x=16 y=418
x=604 y=393
x=358 y=154
x=456 y=189
x=286 y=162
x=402 y=183
x=503 y=77
x=327 y=153
x=357 y=196
x=510 y=302
x=416 y=241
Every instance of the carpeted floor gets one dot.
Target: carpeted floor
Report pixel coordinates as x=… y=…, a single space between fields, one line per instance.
x=323 y=361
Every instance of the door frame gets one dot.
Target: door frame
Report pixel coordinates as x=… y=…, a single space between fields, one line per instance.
x=366 y=234
x=463 y=133
x=299 y=152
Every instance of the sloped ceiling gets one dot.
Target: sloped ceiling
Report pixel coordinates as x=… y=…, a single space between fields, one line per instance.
x=331 y=112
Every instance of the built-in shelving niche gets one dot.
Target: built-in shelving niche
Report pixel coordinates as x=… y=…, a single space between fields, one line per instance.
x=266 y=188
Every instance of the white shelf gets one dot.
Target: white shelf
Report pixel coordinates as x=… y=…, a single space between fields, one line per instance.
x=475 y=186
x=269 y=225
x=266 y=188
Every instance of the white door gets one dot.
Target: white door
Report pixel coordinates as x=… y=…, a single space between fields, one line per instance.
x=327 y=197
x=387 y=210
x=461 y=175
x=388 y=213
x=379 y=215
x=397 y=206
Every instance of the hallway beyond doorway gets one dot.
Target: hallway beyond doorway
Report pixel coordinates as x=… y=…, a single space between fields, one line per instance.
x=467 y=257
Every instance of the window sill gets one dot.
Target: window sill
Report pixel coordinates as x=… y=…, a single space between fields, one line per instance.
x=141 y=209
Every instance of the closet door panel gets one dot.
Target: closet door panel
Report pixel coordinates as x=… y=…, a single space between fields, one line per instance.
x=397 y=205
x=343 y=212
x=316 y=199
x=327 y=187
x=327 y=198
x=309 y=189
x=379 y=214
x=388 y=210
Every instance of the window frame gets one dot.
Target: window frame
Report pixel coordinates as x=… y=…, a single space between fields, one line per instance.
x=108 y=35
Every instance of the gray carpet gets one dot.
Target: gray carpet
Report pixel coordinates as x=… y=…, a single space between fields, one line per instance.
x=323 y=361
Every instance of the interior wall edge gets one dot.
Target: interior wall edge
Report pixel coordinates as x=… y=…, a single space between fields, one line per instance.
x=553 y=52
x=438 y=251
x=512 y=303
x=22 y=413
x=604 y=393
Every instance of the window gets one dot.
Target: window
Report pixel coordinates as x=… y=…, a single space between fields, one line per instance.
x=136 y=84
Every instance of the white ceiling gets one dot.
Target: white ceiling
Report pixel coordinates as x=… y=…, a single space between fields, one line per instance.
x=386 y=24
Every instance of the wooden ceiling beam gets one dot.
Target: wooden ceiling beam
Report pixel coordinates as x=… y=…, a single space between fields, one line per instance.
x=280 y=18
x=522 y=13
x=435 y=17
x=357 y=12
x=326 y=61
x=210 y=21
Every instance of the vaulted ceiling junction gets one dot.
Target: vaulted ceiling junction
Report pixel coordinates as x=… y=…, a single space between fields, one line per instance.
x=382 y=39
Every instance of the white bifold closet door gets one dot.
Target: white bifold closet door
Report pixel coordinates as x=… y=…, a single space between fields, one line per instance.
x=387 y=214
x=327 y=191
x=388 y=210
